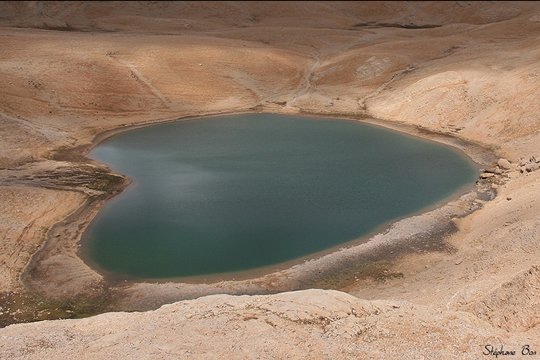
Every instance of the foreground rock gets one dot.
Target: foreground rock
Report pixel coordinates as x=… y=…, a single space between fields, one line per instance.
x=529 y=165
x=310 y=324
x=504 y=164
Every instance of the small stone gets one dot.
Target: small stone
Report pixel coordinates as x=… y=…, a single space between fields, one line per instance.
x=486 y=175
x=508 y=198
x=535 y=18
x=504 y=164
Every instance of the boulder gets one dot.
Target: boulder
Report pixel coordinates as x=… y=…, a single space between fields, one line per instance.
x=504 y=164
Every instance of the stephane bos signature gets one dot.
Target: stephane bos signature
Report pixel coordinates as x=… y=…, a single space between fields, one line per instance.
x=501 y=351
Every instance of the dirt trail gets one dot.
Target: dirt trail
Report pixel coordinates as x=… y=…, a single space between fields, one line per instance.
x=137 y=75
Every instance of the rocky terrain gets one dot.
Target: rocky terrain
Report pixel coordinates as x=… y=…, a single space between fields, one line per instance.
x=313 y=324
x=443 y=284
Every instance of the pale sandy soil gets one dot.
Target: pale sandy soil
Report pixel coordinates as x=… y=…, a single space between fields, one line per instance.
x=25 y=215
x=445 y=283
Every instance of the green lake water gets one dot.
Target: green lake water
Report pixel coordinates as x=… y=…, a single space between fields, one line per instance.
x=232 y=193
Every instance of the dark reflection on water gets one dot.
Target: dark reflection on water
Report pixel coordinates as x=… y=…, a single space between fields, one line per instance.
x=238 y=192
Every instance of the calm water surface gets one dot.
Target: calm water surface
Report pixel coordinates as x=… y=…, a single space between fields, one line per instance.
x=238 y=192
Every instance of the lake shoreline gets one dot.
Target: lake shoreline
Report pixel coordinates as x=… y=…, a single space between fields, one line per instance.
x=276 y=278
x=228 y=138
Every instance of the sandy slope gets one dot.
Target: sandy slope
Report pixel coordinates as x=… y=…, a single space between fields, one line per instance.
x=470 y=70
